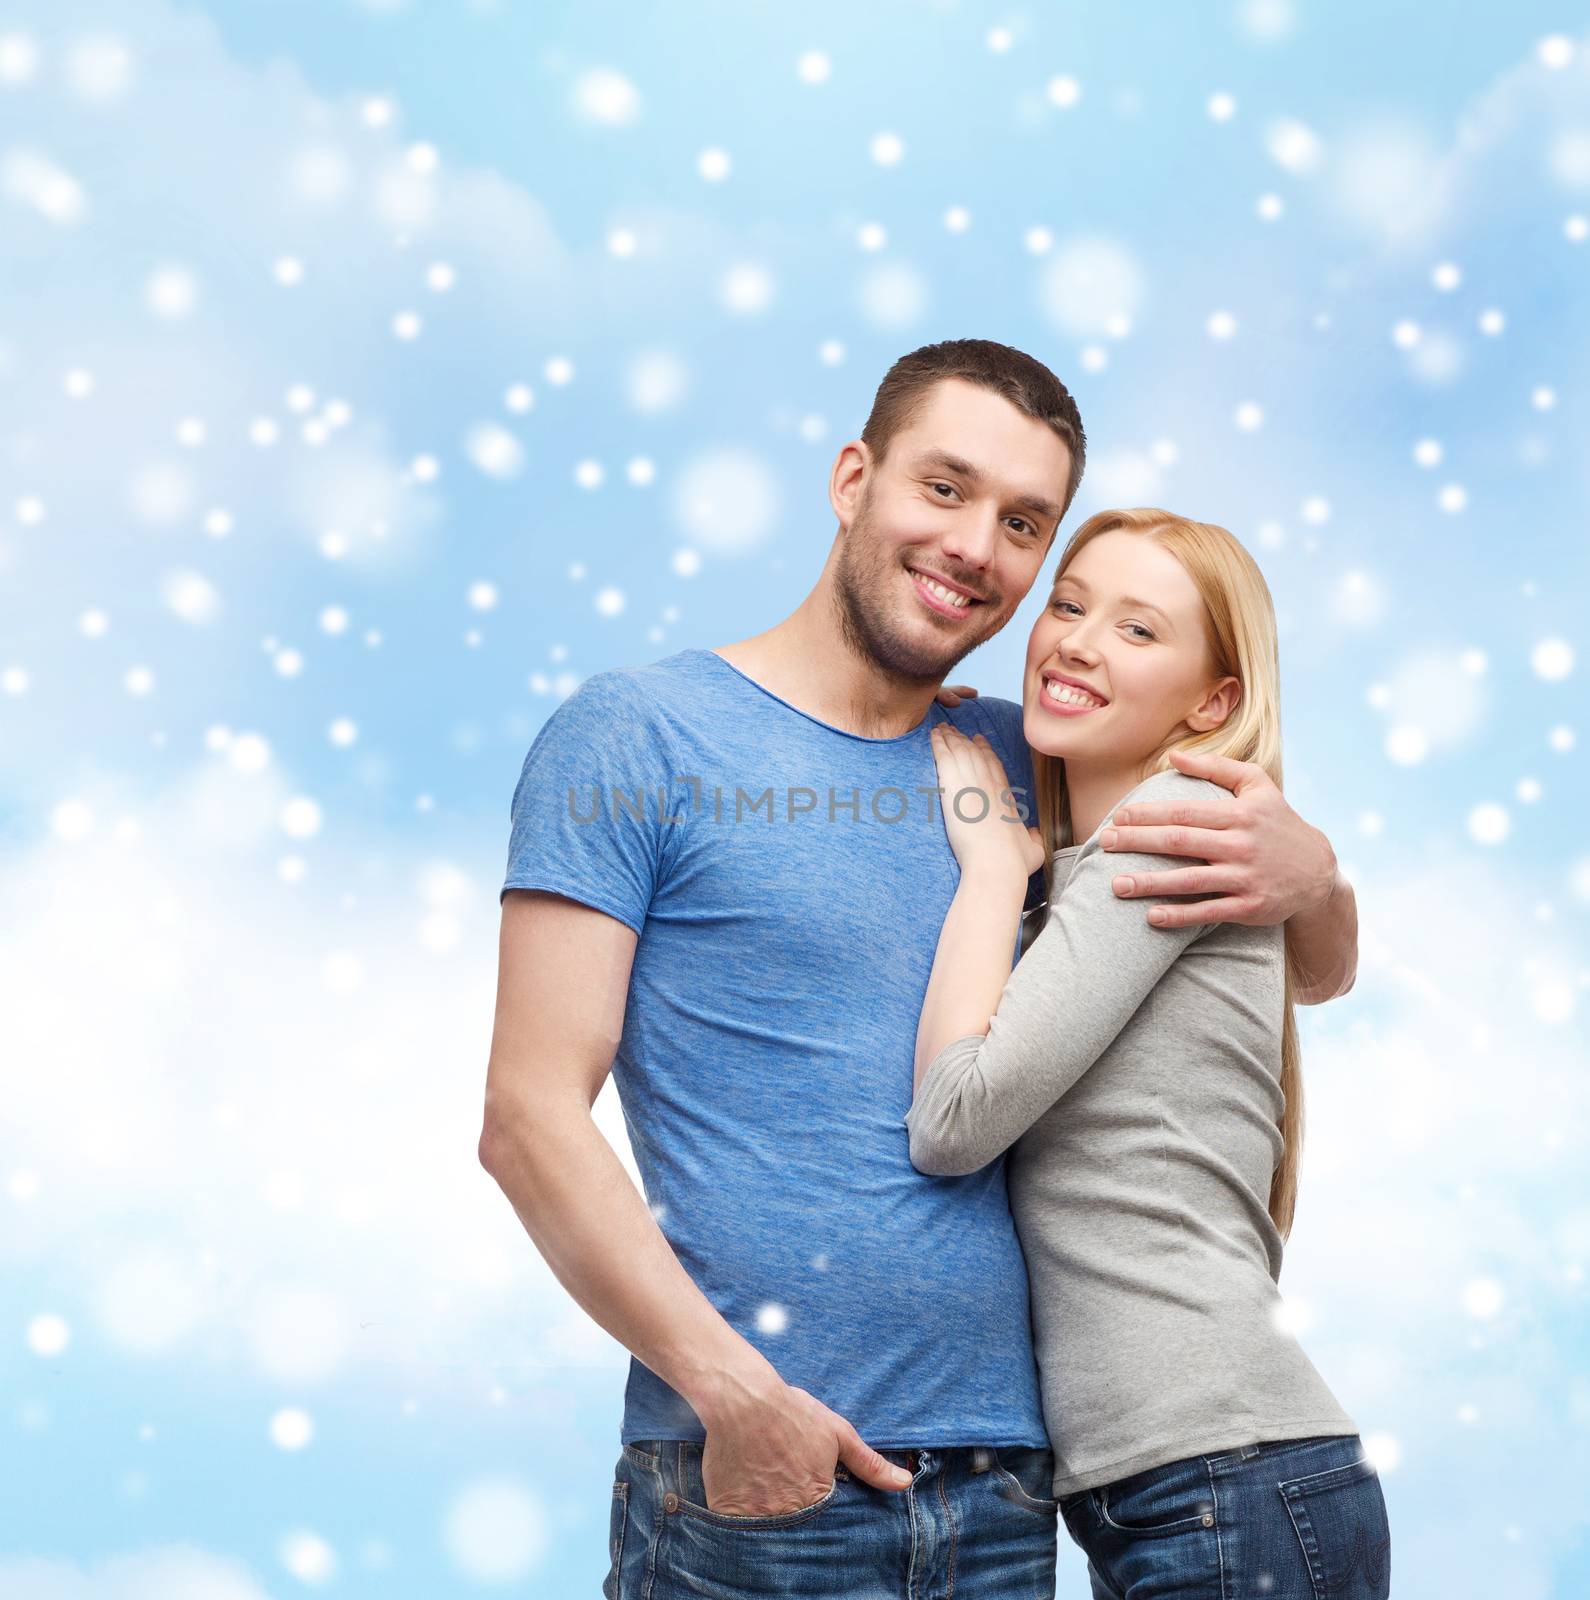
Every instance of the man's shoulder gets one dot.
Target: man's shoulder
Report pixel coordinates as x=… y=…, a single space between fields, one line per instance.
x=618 y=718
x=643 y=691
x=663 y=673
x=1006 y=715
x=1001 y=720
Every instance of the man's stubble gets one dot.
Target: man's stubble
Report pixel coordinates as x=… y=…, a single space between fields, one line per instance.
x=863 y=577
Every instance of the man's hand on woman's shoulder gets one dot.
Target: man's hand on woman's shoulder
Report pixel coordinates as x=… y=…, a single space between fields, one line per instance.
x=1264 y=860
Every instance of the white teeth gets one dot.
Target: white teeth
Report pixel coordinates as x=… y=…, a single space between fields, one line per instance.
x=949 y=596
x=1067 y=696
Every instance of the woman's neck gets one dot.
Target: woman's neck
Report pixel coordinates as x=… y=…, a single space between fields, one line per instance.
x=1094 y=792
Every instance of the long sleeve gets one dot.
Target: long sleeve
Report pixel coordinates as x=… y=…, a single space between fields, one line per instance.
x=1093 y=964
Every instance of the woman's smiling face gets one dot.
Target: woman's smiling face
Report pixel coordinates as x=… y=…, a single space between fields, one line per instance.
x=1125 y=621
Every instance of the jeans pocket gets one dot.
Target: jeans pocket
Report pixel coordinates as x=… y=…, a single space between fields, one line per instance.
x=612 y=1585
x=1340 y=1518
x=779 y=1519
x=1025 y=1474
x=1174 y=1498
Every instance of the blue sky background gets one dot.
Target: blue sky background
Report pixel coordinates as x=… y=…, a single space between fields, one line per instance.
x=370 y=374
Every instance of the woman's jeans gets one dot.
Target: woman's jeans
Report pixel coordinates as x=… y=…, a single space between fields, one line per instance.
x=1300 y=1519
x=976 y=1523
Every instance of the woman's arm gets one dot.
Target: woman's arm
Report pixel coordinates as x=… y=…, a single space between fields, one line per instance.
x=997 y=854
x=1095 y=961
x=972 y=962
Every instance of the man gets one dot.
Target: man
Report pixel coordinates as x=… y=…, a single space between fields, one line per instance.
x=833 y=1388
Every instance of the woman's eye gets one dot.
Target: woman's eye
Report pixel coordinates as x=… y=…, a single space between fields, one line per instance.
x=1062 y=607
x=949 y=486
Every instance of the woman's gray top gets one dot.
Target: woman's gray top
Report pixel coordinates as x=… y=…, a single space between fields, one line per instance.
x=1137 y=1071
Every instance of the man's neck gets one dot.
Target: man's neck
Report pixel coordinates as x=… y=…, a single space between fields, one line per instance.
x=806 y=660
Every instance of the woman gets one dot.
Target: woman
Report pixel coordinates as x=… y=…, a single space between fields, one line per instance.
x=1148 y=1081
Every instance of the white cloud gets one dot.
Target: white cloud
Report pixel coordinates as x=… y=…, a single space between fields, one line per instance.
x=146 y=989
x=1385 y=177
x=30 y=178
x=1088 y=285
x=1122 y=478
x=727 y=500
x=165 y=1572
x=1429 y=690
x=1440 y=1111
x=1294 y=145
x=746 y=289
x=606 y=97
x=496 y=1531
x=1358 y=599
x=657 y=380
x=150 y=1300
x=1267 y=20
x=893 y=295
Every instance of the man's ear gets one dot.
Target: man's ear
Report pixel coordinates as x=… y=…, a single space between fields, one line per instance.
x=847 y=480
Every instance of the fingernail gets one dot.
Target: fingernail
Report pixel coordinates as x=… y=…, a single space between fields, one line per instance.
x=1107 y=838
x=1122 y=885
x=1120 y=817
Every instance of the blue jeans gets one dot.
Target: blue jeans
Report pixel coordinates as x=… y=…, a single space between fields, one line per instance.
x=976 y=1522
x=1300 y=1519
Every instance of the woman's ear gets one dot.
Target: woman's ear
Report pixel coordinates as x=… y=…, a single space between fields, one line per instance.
x=1216 y=706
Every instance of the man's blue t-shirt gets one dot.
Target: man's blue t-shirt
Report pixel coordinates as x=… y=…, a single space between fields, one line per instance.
x=787 y=926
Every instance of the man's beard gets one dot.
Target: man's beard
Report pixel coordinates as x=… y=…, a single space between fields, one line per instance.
x=863 y=580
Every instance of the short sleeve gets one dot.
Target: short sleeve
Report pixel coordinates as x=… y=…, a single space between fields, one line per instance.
x=587 y=813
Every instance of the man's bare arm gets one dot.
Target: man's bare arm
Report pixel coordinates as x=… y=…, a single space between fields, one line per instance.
x=563 y=979
x=1324 y=943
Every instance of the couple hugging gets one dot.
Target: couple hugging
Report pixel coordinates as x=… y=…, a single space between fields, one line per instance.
x=956 y=1048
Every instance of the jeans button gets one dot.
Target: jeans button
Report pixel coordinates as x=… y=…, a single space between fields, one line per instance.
x=1209 y=1520
x=670 y=1501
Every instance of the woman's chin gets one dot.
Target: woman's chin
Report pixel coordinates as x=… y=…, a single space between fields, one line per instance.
x=1047 y=736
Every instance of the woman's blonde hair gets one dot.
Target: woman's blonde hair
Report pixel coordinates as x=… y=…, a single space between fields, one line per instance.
x=1239 y=629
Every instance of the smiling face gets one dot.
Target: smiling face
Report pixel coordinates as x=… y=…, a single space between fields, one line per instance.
x=1126 y=622
x=966 y=499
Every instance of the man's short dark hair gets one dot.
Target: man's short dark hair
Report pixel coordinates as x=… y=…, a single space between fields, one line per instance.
x=1028 y=384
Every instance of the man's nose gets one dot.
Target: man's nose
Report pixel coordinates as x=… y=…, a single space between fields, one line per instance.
x=973 y=541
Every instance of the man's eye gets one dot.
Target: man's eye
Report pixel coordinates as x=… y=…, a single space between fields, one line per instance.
x=949 y=486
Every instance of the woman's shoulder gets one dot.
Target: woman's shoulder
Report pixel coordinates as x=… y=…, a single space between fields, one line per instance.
x=1174 y=784
x=1171 y=783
